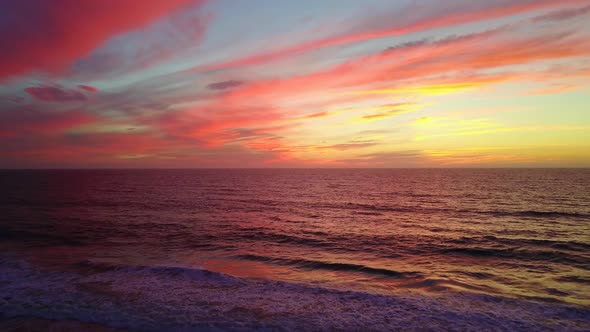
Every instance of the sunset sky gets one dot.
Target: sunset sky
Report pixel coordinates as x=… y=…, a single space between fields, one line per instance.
x=268 y=83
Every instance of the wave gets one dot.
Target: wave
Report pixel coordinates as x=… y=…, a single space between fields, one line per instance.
x=436 y=285
x=550 y=244
x=521 y=255
x=312 y=239
x=158 y=270
x=165 y=298
x=574 y=279
x=284 y=238
x=378 y=210
x=538 y=214
x=344 y=267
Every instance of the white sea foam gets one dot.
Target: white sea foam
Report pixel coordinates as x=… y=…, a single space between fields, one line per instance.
x=183 y=299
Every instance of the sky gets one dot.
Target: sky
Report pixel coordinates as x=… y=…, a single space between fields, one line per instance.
x=281 y=83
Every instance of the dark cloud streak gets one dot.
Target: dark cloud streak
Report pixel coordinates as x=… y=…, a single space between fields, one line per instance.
x=225 y=85
x=54 y=93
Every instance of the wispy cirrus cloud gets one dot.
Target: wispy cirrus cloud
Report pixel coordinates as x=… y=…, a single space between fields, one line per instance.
x=348 y=146
x=434 y=67
x=413 y=18
x=564 y=14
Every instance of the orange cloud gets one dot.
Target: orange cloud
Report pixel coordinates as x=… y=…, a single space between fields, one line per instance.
x=444 y=66
x=439 y=67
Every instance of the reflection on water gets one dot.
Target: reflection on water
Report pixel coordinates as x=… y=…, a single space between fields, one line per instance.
x=500 y=232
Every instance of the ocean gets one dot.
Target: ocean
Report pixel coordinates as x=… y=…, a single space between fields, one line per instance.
x=298 y=249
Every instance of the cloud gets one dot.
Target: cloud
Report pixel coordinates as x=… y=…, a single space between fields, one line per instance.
x=49 y=93
x=555 y=89
x=427 y=68
x=318 y=115
x=216 y=123
x=88 y=88
x=438 y=67
x=411 y=19
x=49 y=35
x=500 y=130
x=12 y=99
x=404 y=158
x=563 y=14
x=383 y=115
x=225 y=85
x=21 y=120
x=348 y=146
x=301 y=112
x=168 y=39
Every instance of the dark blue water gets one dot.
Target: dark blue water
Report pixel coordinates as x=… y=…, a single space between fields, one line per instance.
x=518 y=235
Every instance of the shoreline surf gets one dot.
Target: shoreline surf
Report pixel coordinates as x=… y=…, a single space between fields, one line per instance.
x=167 y=298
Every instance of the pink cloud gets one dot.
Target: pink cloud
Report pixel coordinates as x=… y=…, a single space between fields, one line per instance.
x=88 y=88
x=65 y=30
x=464 y=12
x=452 y=60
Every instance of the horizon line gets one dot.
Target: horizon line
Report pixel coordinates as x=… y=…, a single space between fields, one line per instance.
x=273 y=168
